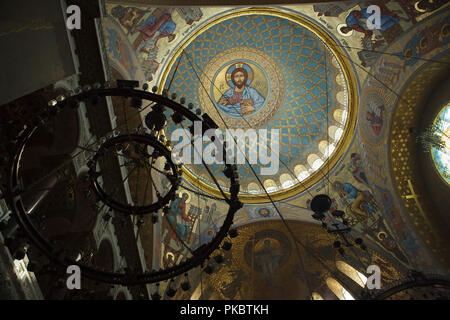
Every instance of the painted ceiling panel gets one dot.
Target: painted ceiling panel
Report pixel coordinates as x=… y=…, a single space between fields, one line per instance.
x=287 y=64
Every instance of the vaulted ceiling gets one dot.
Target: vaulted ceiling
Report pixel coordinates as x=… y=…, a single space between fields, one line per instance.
x=316 y=79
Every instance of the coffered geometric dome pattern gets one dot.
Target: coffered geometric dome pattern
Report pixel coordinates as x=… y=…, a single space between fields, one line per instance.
x=313 y=97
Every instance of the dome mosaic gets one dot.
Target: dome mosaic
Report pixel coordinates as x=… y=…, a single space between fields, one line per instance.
x=298 y=80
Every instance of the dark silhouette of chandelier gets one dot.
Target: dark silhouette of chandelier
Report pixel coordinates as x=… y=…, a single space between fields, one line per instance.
x=431 y=137
x=139 y=149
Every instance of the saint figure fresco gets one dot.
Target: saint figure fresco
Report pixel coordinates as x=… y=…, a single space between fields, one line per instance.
x=180 y=222
x=375 y=115
x=357 y=20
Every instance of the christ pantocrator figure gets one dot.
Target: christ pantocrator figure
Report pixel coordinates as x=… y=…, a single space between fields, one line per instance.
x=241 y=99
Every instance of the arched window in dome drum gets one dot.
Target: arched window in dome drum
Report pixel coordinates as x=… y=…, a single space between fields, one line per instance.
x=340 y=115
x=352 y=273
x=253 y=188
x=301 y=172
x=270 y=185
x=286 y=180
x=339 y=290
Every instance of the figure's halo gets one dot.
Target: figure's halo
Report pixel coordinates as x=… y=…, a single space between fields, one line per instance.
x=170 y=254
x=381 y=233
x=188 y=194
x=417 y=7
x=274 y=244
x=338 y=29
x=238 y=65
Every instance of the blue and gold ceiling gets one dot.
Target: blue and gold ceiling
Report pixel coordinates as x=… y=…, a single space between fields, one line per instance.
x=299 y=77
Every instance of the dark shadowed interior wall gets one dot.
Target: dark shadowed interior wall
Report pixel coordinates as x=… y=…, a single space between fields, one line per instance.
x=35 y=47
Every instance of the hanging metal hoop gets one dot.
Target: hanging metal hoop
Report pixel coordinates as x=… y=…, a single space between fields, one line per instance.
x=14 y=191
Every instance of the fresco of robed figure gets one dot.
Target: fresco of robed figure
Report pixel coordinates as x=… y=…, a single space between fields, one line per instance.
x=241 y=99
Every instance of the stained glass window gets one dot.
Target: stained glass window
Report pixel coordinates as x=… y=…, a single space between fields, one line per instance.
x=441 y=154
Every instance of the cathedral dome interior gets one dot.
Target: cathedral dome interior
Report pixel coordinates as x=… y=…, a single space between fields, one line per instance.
x=306 y=93
x=166 y=150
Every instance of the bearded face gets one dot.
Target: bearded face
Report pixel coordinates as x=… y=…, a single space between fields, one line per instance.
x=239 y=78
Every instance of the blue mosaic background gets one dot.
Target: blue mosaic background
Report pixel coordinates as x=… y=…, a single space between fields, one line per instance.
x=300 y=57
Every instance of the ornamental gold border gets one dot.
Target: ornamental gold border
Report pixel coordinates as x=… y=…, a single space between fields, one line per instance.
x=350 y=124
